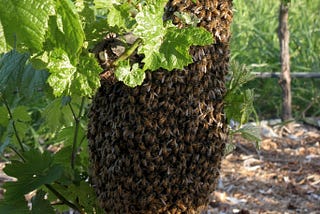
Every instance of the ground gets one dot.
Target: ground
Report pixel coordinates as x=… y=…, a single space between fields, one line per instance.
x=282 y=177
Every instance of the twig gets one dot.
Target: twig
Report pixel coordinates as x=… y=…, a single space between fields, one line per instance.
x=63 y=199
x=75 y=138
x=13 y=122
x=17 y=152
x=128 y=52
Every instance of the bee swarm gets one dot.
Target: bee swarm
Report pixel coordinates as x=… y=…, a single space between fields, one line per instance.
x=157 y=148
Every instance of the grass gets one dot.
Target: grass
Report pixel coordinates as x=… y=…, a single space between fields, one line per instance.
x=255 y=44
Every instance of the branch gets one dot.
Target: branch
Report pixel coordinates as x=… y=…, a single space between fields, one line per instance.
x=17 y=152
x=13 y=122
x=128 y=52
x=75 y=137
x=63 y=199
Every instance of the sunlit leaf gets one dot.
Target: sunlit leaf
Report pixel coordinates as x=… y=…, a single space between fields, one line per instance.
x=26 y=21
x=4 y=116
x=166 y=46
x=86 y=79
x=69 y=25
x=62 y=73
x=130 y=75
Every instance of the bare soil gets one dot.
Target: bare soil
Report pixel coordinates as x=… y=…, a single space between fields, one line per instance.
x=282 y=177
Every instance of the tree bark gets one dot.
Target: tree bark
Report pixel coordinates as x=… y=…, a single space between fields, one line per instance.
x=285 y=79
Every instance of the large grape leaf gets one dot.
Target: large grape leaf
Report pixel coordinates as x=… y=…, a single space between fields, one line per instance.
x=62 y=72
x=66 y=79
x=150 y=29
x=166 y=45
x=37 y=170
x=86 y=78
x=26 y=21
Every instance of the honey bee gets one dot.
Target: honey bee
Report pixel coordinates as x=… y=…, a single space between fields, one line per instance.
x=142 y=99
x=138 y=172
x=148 y=154
x=162 y=120
x=151 y=167
x=142 y=146
x=198 y=8
x=175 y=2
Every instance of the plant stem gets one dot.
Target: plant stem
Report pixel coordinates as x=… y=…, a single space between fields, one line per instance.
x=128 y=52
x=13 y=123
x=17 y=152
x=63 y=199
x=75 y=137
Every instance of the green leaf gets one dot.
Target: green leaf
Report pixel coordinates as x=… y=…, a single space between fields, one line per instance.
x=37 y=170
x=66 y=135
x=17 y=205
x=247 y=106
x=57 y=116
x=66 y=79
x=63 y=157
x=62 y=73
x=11 y=65
x=250 y=132
x=33 y=81
x=131 y=76
x=174 y=51
x=21 y=114
x=18 y=76
x=26 y=21
x=240 y=75
x=187 y=18
x=4 y=116
x=3 y=44
x=239 y=105
x=40 y=204
x=230 y=147
x=85 y=195
x=86 y=79
x=68 y=34
x=119 y=15
x=166 y=46
x=4 y=145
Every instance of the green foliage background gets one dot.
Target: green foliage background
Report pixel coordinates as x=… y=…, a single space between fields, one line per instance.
x=255 y=44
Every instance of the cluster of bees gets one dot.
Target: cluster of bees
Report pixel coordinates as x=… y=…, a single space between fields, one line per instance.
x=157 y=148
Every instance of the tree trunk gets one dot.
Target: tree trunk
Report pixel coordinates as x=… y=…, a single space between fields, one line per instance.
x=285 y=79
